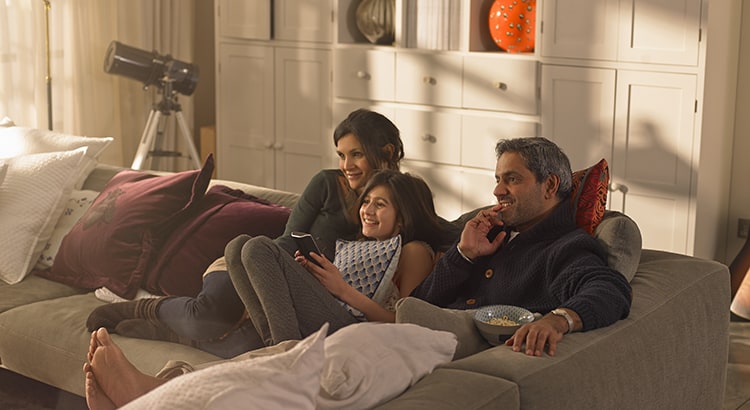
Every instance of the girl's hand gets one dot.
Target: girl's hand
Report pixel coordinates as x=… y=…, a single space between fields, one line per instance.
x=328 y=275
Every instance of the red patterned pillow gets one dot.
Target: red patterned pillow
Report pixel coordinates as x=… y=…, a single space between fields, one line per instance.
x=115 y=240
x=589 y=195
x=203 y=232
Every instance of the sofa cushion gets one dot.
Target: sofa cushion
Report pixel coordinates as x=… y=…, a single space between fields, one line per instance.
x=32 y=197
x=33 y=289
x=621 y=238
x=202 y=233
x=115 y=240
x=76 y=205
x=53 y=348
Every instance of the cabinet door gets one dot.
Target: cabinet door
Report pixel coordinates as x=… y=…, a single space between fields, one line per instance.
x=578 y=105
x=430 y=135
x=303 y=115
x=496 y=84
x=446 y=183
x=663 y=31
x=480 y=133
x=303 y=20
x=580 y=29
x=429 y=78
x=364 y=74
x=244 y=109
x=651 y=167
x=244 y=18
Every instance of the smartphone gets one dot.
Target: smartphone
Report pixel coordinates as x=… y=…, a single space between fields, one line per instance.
x=306 y=244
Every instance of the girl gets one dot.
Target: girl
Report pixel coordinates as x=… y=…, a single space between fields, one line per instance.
x=365 y=142
x=289 y=298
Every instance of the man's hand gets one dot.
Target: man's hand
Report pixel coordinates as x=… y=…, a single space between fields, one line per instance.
x=535 y=335
x=474 y=242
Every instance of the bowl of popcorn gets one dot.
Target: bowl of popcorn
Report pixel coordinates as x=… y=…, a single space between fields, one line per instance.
x=498 y=322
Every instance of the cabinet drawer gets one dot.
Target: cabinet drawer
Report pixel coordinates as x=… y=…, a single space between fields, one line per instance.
x=479 y=134
x=500 y=84
x=364 y=74
x=430 y=136
x=429 y=79
x=244 y=19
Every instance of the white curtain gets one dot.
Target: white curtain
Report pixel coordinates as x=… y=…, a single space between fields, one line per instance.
x=85 y=99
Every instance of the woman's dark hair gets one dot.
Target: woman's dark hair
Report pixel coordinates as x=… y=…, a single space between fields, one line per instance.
x=375 y=133
x=412 y=199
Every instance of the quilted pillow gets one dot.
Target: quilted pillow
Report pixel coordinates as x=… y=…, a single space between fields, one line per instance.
x=15 y=141
x=203 y=232
x=366 y=265
x=115 y=240
x=32 y=197
x=589 y=195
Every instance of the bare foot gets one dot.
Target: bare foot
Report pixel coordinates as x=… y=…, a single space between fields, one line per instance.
x=116 y=377
x=95 y=397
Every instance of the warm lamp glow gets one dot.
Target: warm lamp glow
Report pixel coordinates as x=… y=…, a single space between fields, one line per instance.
x=741 y=303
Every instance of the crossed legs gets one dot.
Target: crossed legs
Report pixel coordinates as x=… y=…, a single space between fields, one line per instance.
x=111 y=380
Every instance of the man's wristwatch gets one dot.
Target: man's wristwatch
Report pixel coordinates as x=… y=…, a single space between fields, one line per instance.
x=563 y=313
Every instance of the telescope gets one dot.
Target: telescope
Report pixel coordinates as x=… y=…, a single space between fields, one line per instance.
x=151 y=68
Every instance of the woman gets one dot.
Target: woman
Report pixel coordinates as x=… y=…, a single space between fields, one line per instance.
x=286 y=302
x=365 y=142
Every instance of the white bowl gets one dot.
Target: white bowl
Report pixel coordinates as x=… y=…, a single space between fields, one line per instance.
x=496 y=334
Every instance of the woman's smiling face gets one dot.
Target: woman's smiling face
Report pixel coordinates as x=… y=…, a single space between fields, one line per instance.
x=353 y=162
x=378 y=214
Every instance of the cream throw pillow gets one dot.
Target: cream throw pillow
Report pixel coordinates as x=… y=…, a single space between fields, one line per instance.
x=16 y=141
x=289 y=380
x=76 y=205
x=3 y=170
x=370 y=363
x=31 y=200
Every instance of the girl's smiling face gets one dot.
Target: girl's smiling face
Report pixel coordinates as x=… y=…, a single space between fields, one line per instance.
x=378 y=214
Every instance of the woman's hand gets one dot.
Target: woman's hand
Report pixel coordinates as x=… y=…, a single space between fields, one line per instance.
x=327 y=273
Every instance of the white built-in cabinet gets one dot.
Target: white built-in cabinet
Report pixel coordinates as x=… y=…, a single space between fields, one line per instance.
x=273 y=91
x=622 y=80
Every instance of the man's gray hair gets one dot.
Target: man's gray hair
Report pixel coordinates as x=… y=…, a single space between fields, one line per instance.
x=543 y=157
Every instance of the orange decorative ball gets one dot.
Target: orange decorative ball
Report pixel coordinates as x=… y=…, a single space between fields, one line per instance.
x=513 y=24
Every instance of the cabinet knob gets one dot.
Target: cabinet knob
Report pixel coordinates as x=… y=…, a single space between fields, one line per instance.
x=363 y=75
x=614 y=186
x=429 y=138
x=429 y=80
x=500 y=85
x=278 y=146
x=268 y=145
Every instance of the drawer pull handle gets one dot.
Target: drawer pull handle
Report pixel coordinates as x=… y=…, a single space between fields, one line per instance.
x=614 y=186
x=500 y=85
x=429 y=138
x=268 y=145
x=363 y=75
x=278 y=146
x=429 y=80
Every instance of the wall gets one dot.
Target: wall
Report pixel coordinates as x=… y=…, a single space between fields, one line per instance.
x=740 y=185
x=205 y=93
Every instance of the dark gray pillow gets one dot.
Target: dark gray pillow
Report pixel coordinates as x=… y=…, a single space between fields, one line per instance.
x=621 y=238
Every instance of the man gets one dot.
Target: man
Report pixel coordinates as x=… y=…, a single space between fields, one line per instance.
x=539 y=259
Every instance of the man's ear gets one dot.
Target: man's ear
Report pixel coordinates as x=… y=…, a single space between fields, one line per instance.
x=552 y=185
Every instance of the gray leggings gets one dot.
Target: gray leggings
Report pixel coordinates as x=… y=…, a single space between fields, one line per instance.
x=284 y=300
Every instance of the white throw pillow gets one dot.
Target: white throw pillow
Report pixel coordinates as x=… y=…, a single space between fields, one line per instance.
x=3 y=170
x=15 y=141
x=370 y=363
x=6 y=122
x=288 y=380
x=77 y=204
x=32 y=197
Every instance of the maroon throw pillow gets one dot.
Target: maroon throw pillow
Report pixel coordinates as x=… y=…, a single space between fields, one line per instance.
x=589 y=195
x=221 y=215
x=113 y=243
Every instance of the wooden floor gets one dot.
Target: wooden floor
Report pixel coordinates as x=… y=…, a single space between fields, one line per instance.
x=21 y=393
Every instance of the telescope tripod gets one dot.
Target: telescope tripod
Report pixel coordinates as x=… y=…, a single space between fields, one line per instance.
x=154 y=129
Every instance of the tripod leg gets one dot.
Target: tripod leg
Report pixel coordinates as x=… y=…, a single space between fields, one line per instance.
x=147 y=139
x=185 y=131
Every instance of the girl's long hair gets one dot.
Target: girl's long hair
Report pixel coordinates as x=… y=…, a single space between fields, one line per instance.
x=415 y=208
